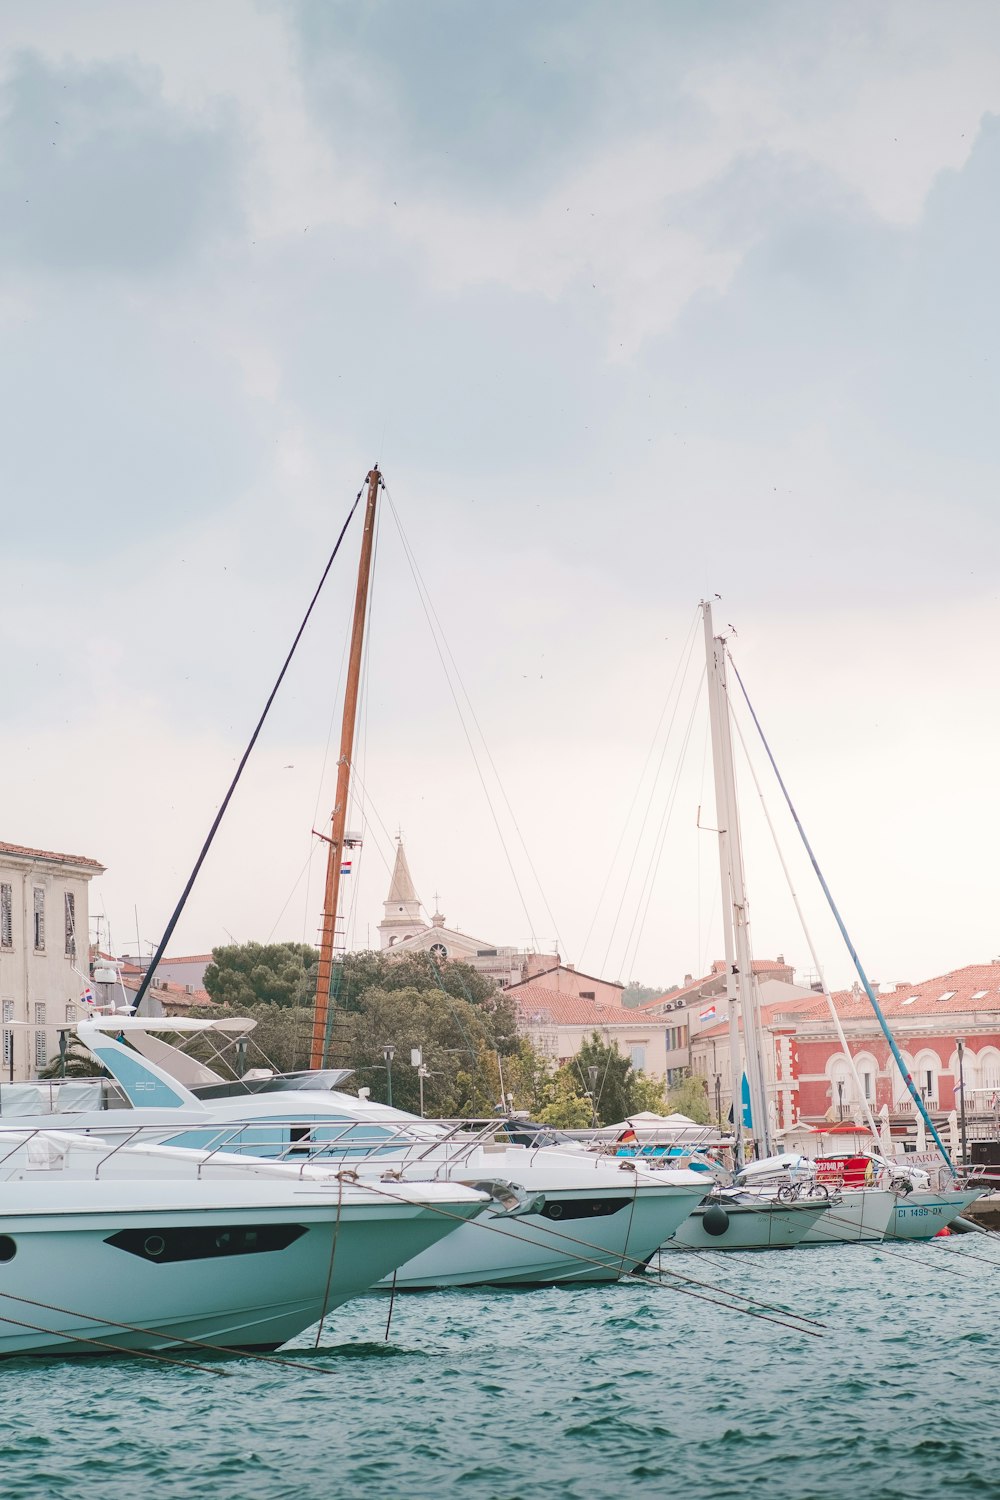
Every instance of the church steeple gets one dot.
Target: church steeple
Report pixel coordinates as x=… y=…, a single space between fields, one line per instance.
x=402 y=905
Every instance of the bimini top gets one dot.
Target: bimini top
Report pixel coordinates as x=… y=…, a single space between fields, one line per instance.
x=118 y=1042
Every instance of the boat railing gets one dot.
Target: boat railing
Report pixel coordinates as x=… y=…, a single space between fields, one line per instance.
x=333 y=1145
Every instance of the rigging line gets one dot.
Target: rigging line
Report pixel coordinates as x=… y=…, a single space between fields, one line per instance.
x=364 y=694
x=175 y=918
x=306 y=906
x=367 y=808
x=96 y=1343
x=174 y=1339
x=700 y=950
x=869 y=1116
x=652 y=869
x=715 y=1255
x=455 y=1016
x=967 y=1254
x=475 y=719
x=468 y=738
x=879 y=1013
x=606 y=1263
x=288 y=899
x=649 y=801
x=638 y=787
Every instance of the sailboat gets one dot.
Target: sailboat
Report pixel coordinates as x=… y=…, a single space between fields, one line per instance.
x=895 y=1209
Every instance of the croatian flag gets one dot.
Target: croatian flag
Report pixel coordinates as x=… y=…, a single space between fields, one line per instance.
x=87 y=998
x=707 y=1015
x=345 y=868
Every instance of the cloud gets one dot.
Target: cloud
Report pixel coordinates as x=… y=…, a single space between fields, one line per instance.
x=97 y=172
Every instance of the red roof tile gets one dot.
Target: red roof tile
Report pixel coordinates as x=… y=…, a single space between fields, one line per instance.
x=685 y=991
x=974 y=988
x=538 y=1005
x=22 y=852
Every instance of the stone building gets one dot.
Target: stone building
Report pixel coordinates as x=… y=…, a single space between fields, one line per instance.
x=405 y=929
x=44 y=951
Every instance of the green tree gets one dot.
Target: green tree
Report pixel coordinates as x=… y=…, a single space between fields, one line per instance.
x=689 y=1097
x=457 y=1040
x=280 y=1040
x=566 y=1109
x=647 y=1094
x=612 y=1080
x=247 y=974
x=357 y=973
x=635 y=993
x=75 y=1062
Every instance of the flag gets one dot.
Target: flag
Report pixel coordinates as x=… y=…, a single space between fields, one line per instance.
x=87 y=998
x=707 y=1015
x=628 y=1137
x=345 y=867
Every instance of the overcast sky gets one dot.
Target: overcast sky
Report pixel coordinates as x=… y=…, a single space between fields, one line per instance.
x=634 y=304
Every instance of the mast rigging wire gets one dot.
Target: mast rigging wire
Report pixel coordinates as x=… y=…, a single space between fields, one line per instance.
x=656 y=855
x=879 y=1013
x=432 y=620
x=649 y=801
x=688 y=645
x=178 y=909
x=866 y=1107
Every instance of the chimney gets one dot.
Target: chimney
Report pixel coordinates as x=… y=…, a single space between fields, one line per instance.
x=688 y=978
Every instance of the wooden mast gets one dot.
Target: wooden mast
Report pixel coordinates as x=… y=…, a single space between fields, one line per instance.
x=335 y=851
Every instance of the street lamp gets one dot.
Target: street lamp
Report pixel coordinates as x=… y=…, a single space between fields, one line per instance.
x=718 y=1099
x=388 y=1052
x=960 y=1043
x=592 y=1075
x=840 y=1097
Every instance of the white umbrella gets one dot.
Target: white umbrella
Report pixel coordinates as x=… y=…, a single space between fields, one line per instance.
x=921 y=1132
x=953 y=1138
x=884 y=1133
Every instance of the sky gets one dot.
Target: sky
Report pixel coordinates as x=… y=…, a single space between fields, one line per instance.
x=634 y=306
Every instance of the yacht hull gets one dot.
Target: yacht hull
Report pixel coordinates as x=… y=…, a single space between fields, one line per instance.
x=921 y=1214
x=88 y=1265
x=531 y=1249
x=761 y=1225
x=860 y=1216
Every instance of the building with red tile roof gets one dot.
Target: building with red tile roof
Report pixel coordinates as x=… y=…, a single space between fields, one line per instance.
x=811 y=1080
x=44 y=949
x=559 y=1023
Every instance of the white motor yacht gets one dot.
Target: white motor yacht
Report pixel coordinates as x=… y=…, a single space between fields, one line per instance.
x=575 y=1216
x=111 y=1246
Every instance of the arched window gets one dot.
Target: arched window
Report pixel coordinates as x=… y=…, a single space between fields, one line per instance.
x=926 y=1068
x=900 y=1093
x=989 y=1068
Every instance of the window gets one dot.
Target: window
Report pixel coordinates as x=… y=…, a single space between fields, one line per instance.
x=8 y=1036
x=41 y=1047
x=69 y=901
x=637 y=1053
x=929 y=1083
x=588 y=994
x=39 y=919
x=866 y=1079
x=70 y=1012
x=6 y=916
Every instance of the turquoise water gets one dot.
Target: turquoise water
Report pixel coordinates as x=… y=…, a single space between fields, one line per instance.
x=624 y=1390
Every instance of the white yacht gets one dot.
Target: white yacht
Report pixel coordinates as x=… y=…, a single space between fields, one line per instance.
x=567 y=1216
x=894 y=1201
x=106 y=1247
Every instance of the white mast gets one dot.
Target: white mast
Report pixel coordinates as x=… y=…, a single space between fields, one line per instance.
x=741 y=991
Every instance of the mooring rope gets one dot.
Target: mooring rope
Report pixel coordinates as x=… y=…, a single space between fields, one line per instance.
x=178 y=909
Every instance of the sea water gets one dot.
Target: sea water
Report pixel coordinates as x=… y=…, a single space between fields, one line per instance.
x=634 y=1389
